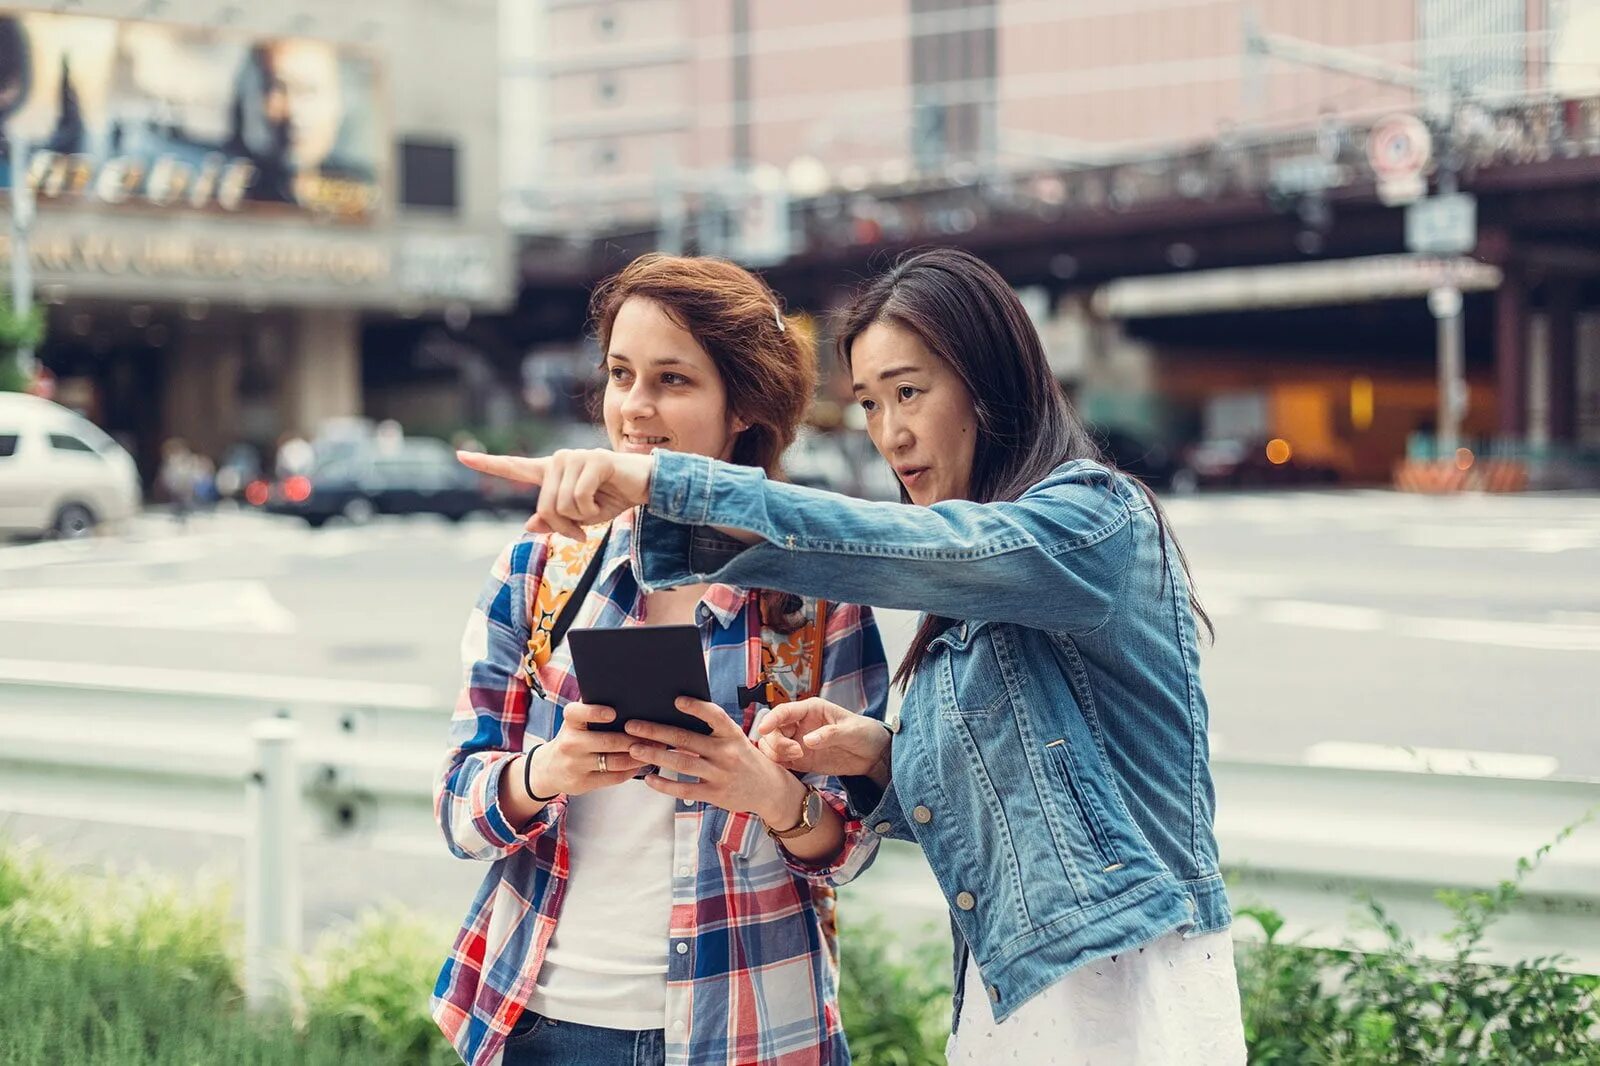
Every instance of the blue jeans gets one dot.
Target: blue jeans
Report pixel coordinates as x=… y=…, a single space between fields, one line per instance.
x=539 y=1041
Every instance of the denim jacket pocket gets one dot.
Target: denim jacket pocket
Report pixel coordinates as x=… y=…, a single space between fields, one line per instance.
x=971 y=665
x=1085 y=807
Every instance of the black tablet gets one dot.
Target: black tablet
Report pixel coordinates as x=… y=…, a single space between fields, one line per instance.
x=640 y=671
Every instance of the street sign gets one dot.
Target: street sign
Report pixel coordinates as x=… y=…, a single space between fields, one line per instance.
x=1305 y=174
x=1443 y=225
x=1399 y=148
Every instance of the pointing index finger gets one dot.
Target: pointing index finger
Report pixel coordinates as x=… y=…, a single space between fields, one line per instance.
x=529 y=471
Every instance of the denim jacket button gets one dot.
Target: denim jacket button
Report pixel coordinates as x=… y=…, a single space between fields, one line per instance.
x=994 y=993
x=966 y=900
x=883 y=828
x=922 y=815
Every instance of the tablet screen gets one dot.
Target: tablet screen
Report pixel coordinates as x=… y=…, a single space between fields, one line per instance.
x=640 y=671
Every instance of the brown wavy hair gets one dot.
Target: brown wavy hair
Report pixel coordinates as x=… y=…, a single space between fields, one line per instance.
x=768 y=367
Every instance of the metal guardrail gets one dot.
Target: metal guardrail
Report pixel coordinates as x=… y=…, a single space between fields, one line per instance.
x=245 y=756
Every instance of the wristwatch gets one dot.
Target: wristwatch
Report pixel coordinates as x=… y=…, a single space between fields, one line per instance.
x=810 y=815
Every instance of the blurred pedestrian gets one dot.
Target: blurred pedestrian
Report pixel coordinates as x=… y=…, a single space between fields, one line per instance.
x=388 y=437
x=295 y=456
x=205 y=483
x=177 y=478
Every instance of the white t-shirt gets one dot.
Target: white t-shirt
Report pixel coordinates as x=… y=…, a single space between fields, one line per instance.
x=606 y=964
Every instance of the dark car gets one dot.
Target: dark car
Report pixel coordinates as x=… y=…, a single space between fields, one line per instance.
x=1152 y=463
x=1249 y=464
x=418 y=477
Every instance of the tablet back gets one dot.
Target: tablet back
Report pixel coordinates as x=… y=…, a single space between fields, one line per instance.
x=640 y=671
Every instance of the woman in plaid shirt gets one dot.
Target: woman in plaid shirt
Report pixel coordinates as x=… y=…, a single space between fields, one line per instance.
x=661 y=919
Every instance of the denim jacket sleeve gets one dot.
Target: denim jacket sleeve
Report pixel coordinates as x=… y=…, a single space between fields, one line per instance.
x=1054 y=559
x=490 y=723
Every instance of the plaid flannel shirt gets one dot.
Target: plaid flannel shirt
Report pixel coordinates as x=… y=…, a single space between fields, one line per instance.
x=757 y=983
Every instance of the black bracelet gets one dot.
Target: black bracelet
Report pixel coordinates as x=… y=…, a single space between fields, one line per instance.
x=527 y=781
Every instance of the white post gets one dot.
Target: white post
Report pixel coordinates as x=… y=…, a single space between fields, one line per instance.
x=272 y=873
x=1445 y=303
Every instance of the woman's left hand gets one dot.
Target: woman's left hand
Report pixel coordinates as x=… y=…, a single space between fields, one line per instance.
x=733 y=773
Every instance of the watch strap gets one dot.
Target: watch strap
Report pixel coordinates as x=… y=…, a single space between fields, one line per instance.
x=809 y=815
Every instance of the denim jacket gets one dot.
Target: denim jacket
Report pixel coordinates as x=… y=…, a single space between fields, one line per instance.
x=1051 y=755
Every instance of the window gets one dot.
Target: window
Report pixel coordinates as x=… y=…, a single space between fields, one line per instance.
x=606 y=89
x=1475 y=45
x=605 y=157
x=8 y=445
x=605 y=23
x=66 y=442
x=954 y=66
x=428 y=174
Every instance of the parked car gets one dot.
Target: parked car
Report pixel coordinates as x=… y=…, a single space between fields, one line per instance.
x=417 y=476
x=1248 y=464
x=60 y=474
x=1154 y=464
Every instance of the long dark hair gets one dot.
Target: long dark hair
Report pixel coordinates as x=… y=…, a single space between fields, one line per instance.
x=965 y=314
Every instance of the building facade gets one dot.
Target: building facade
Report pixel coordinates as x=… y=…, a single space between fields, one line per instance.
x=230 y=196
x=1083 y=145
x=613 y=106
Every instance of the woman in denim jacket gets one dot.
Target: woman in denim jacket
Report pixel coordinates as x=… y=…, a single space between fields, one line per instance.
x=1051 y=755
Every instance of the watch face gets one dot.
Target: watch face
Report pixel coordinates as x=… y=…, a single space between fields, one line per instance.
x=813 y=813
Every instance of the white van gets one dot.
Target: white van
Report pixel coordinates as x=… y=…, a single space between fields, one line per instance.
x=60 y=474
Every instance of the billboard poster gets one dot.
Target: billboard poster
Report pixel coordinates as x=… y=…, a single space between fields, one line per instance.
x=189 y=118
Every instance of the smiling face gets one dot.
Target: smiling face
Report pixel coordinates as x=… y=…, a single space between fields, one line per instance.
x=919 y=413
x=662 y=389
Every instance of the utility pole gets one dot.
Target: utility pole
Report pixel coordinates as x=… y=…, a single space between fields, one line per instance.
x=21 y=253
x=1445 y=304
x=1441 y=98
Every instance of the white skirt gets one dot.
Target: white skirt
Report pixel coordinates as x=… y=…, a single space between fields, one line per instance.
x=1173 y=1001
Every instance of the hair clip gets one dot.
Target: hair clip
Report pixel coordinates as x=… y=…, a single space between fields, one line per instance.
x=777 y=316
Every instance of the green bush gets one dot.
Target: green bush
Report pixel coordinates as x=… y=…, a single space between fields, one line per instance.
x=1393 y=1008
x=369 y=985
x=895 y=1000
x=133 y=970
x=17 y=331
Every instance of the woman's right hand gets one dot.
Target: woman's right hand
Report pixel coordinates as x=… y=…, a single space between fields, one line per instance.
x=569 y=762
x=817 y=737
x=577 y=487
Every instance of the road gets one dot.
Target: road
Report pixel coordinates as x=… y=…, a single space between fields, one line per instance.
x=1348 y=624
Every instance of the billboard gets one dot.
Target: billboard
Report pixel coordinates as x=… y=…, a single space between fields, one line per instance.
x=189 y=118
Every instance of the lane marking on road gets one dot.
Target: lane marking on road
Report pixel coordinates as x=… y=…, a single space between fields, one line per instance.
x=1537 y=636
x=1362 y=756
x=226 y=684
x=46 y=553
x=211 y=606
x=1346 y=617
x=1520 y=538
